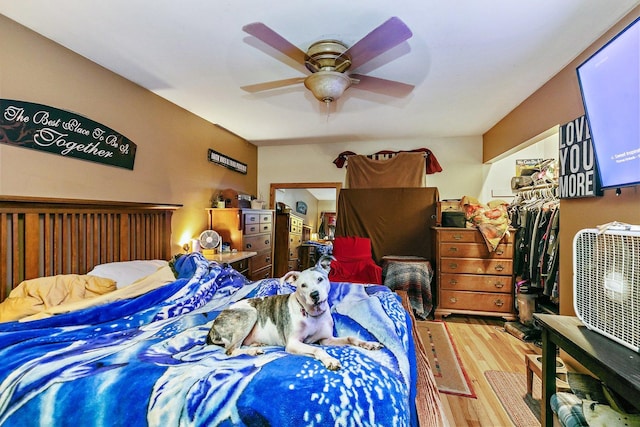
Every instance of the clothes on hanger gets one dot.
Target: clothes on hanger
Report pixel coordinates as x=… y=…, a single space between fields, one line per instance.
x=535 y=214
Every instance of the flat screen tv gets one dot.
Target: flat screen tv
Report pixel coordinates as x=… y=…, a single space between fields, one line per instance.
x=610 y=87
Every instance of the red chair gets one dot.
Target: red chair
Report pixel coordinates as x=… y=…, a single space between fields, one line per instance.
x=353 y=261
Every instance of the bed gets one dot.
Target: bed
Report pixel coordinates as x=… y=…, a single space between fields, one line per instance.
x=142 y=360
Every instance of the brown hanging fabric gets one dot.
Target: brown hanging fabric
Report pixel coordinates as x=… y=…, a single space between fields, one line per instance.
x=431 y=163
x=402 y=170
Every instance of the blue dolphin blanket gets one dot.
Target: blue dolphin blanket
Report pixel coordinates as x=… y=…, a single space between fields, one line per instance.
x=144 y=362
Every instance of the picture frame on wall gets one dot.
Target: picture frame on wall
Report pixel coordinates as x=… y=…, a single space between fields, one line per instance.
x=301 y=207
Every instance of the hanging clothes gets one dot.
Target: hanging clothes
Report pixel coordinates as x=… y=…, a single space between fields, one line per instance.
x=535 y=215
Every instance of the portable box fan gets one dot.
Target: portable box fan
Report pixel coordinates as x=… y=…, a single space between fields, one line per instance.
x=606 y=281
x=209 y=241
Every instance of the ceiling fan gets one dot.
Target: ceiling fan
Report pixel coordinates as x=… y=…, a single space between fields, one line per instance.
x=329 y=63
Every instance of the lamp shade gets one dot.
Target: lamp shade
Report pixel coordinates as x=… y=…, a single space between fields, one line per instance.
x=327 y=86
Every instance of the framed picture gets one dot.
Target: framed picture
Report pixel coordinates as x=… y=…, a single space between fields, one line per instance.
x=301 y=208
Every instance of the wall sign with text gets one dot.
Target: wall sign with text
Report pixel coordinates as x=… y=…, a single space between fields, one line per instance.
x=577 y=176
x=44 y=128
x=227 y=162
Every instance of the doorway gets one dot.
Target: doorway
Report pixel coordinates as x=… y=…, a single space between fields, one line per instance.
x=319 y=197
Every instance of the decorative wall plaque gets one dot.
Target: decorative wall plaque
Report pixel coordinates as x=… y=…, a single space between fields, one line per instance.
x=44 y=128
x=577 y=177
x=227 y=162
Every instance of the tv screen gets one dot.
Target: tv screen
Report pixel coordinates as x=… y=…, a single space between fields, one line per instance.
x=610 y=87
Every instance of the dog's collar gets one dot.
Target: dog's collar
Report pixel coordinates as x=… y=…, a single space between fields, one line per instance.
x=304 y=311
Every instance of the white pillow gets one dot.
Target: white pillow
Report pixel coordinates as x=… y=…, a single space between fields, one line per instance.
x=125 y=273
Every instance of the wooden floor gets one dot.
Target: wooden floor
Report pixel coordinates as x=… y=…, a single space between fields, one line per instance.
x=483 y=345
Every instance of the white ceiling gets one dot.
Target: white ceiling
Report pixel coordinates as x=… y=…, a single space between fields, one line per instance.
x=471 y=61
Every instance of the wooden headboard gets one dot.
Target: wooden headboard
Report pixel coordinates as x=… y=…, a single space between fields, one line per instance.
x=46 y=237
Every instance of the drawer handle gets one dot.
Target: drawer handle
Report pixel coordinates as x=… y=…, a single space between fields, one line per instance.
x=499 y=267
x=457 y=237
x=454 y=249
x=266 y=242
x=453 y=300
x=453 y=265
x=499 y=303
x=248 y=245
x=499 y=252
x=499 y=285
x=268 y=259
x=252 y=229
x=453 y=282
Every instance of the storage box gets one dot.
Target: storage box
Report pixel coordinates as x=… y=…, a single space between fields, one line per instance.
x=453 y=219
x=446 y=206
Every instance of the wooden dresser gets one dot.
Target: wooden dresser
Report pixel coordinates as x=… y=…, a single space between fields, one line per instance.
x=469 y=278
x=247 y=230
x=306 y=256
x=288 y=239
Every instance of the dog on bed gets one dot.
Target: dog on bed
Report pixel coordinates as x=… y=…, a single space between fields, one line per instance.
x=295 y=321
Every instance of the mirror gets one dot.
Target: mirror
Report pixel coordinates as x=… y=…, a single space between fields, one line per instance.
x=307 y=200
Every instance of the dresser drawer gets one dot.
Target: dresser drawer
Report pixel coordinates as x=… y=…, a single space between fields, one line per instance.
x=467 y=235
x=475 y=250
x=265 y=218
x=476 y=301
x=257 y=242
x=257 y=228
x=241 y=266
x=258 y=218
x=476 y=266
x=263 y=259
x=263 y=273
x=295 y=240
x=252 y=218
x=472 y=282
x=296 y=225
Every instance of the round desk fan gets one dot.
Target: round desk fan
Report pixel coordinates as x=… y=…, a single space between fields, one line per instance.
x=209 y=241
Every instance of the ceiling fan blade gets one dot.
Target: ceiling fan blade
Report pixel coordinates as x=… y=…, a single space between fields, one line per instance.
x=382 y=86
x=275 y=40
x=389 y=34
x=259 y=87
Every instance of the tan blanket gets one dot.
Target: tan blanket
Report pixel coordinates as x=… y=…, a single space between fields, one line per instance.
x=36 y=295
x=163 y=276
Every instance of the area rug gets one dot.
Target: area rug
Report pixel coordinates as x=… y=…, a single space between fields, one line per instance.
x=511 y=389
x=446 y=365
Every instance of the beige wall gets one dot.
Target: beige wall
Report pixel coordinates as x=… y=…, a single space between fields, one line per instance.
x=171 y=163
x=460 y=158
x=558 y=102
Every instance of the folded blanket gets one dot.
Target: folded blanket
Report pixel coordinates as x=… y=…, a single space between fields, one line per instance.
x=36 y=295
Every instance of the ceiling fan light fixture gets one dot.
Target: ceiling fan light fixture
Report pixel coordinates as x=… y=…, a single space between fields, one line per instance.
x=327 y=86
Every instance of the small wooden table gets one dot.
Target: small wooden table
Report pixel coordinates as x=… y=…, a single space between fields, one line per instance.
x=614 y=364
x=533 y=364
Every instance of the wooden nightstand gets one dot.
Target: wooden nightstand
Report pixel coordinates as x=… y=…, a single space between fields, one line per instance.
x=239 y=261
